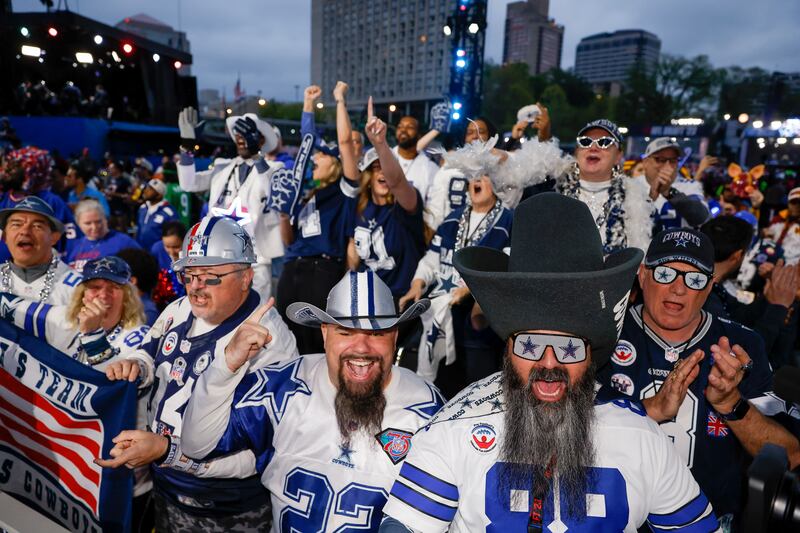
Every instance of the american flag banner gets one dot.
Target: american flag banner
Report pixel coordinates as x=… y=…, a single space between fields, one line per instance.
x=56 y=416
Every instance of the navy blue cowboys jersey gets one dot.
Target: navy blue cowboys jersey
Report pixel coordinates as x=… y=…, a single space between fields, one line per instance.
x=325 y=222
x=149 y=221
x=638 y=367
x=285 y=414
x=391 y=241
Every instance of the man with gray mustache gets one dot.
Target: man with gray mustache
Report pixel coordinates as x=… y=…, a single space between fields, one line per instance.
x=528 y=448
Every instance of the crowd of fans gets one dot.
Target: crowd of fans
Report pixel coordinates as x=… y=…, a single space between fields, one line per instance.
x=100 y=243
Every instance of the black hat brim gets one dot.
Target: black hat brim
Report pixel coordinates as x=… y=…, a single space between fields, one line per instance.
x=589 y=304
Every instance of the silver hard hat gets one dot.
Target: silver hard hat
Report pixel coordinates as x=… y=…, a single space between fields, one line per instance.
x=215 y=240
x=361 y=300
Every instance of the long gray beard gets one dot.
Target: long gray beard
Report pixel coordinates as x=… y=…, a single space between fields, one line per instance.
x=361 y=408
x=540 y=437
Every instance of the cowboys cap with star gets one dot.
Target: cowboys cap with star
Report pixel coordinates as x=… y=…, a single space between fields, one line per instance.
x=32 y=204
x=111 y=268
x=682 y=245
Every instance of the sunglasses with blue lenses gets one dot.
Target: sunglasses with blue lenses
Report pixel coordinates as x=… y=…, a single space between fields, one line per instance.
x=568 y=348
x=694 y=280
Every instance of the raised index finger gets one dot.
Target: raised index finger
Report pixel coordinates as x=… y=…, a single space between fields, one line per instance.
x=370 y=111
x=259 y=313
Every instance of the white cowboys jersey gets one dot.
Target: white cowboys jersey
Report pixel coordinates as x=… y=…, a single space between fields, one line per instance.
x=285 y=414
x=64 y=283
x=246 y=201
x=450 y=479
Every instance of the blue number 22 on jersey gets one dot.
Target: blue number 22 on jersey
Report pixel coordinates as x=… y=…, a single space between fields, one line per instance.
x=313 y=494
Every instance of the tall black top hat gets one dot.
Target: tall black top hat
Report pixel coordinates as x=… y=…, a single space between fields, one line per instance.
x=555 y=278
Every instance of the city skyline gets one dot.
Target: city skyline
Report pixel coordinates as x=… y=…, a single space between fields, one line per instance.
x=269 y=42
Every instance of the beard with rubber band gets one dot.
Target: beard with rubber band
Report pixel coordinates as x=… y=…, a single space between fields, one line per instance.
x=541 y=435
x=359 y=406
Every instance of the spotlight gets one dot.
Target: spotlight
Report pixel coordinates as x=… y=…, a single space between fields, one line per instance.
x=447 y=30
x=461 y=52
x=456 y=115
x=776 y=125
x=229 y=111
x=84 y=57
x=782 y=140
x=456 y=105
x=623 y=130
x=115 y=55
x=262 y=102
x=127 y=48
x=743 y=118
x=177 y=65
x=473 y=28
x=31 y=51
x=460 y=63
x=392 y=108
x=320 y=105
x=796 y=140
x=41 y=60
x=726 y=116
x=24 y=31
x=758 y=124
x=98 y=39
x=156 y=58
x=52 y=31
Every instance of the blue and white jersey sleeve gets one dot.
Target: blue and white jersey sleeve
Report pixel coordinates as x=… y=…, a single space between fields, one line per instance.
x=45 y=321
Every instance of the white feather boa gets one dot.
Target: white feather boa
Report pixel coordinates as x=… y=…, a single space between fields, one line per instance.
x=639 y=213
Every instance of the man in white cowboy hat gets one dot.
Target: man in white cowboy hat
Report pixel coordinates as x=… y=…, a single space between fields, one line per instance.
x=329 y=431
x=528 y=449
x=219 y=309
x=239 y=187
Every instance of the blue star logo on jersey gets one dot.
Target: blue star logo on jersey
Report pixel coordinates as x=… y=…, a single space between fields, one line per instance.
x=372 y=223
x=427 y=409
x=496 y=404
x=570 y=350
x=434 y=335
x=445 y=284
x=273 y=388
x=346 y=453
x=235 y=211
x=466 y=403
x=528 y=346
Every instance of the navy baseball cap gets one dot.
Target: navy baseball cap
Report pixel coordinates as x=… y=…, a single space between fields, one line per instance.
x=603 y=124
x=683 y=245
x=32 y=204
x=111 y=268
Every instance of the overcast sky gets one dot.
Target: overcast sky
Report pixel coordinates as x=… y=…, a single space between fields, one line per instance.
x=269 y=41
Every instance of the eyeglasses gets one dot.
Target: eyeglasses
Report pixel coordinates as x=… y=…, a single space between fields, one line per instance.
x=694 y=280
x=663 y=160
x=568 y=348
x=206 y=278
x=602 y=142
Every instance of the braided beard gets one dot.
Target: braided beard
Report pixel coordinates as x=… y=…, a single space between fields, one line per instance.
x=542 y=436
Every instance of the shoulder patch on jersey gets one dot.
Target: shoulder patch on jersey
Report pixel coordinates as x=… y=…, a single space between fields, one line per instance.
x=624 y=354
x=716 y=426
x=170 y=343
x=178 y=370
x=482 y=398
x=622 y=383
x=428 y=408
x=483 y=437
x=395 y=442
x=274 y=386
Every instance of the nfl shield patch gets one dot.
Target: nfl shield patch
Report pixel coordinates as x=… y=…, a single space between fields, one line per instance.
x=395 y=442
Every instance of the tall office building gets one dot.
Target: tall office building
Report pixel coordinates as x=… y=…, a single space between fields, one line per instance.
x=605 y=59
x=531 y=37
x=394 y=51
